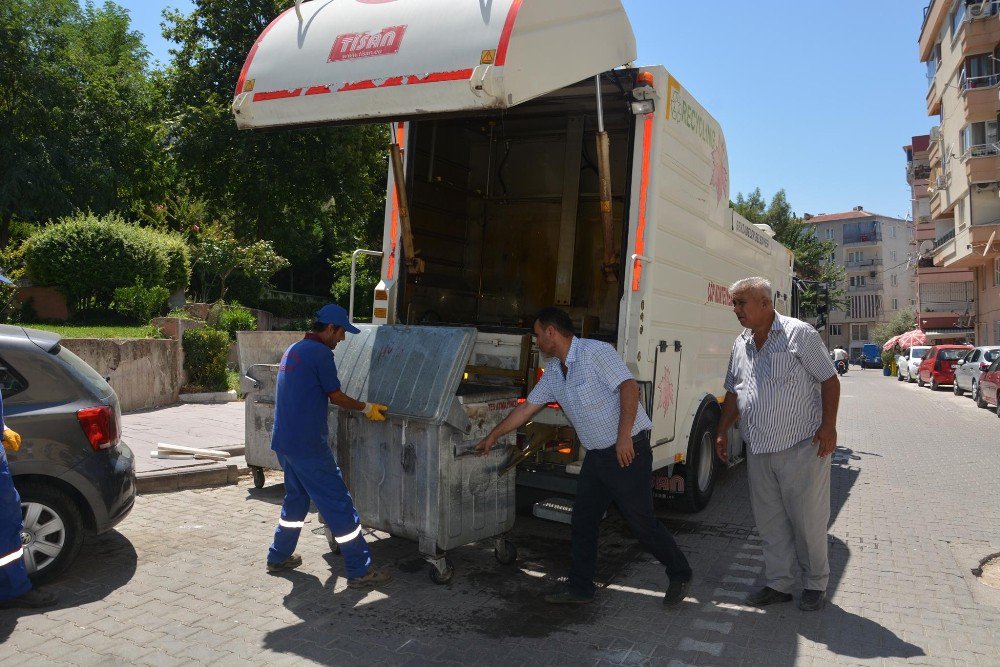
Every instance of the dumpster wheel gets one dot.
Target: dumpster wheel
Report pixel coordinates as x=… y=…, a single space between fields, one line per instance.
x=258 y=476
x=505 y=551
x=441 y=571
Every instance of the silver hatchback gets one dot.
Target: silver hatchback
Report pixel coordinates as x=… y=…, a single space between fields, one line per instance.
x=971 y=367
x=72 y=472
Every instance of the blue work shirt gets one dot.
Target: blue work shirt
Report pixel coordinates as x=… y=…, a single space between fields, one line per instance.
x=589 y=394
x=306 y=377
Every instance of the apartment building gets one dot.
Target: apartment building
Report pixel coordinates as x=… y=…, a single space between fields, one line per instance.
x=945 y=296
x=960 y=43
x=874 y=251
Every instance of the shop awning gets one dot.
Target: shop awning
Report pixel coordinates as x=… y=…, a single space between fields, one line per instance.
x=352 y=61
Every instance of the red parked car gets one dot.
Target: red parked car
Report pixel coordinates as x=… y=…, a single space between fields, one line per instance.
x=989 y=387
x=938 y=365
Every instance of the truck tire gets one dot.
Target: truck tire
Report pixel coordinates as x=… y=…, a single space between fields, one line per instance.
x=52 y=530
x=700 y=465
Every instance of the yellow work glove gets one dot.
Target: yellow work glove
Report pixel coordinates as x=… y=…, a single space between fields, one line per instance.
x=11 y=440
x=375 y=411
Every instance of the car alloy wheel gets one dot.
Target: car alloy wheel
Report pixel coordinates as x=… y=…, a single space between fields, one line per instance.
x=52 y=531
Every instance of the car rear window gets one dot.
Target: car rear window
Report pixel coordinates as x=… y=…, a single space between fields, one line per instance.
x=91 y=377
x=991 y=355
x=11 y=382
x=918 y=354
x=951 y=353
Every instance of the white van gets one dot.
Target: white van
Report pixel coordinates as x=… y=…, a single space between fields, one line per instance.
x=503 y=209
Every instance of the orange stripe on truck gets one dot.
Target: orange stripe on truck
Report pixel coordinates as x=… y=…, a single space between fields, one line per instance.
x=640 y=232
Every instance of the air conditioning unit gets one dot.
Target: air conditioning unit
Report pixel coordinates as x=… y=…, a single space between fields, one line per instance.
x=940 y=182
x=936 y=133
x=873 y=273
x=975 y=11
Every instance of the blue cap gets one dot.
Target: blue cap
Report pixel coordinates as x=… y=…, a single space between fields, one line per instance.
x=4 y=279
x=333 y=314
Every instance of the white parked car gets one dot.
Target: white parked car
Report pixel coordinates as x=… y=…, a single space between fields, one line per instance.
x=908 y=362
x=971 y=367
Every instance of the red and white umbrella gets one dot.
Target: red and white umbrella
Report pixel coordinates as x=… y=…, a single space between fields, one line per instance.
x=889 y=344
x=911 y=338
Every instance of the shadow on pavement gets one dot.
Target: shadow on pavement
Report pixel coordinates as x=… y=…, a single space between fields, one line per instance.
x=105 y=563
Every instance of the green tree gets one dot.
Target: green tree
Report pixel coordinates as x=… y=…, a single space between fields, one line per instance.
x=900 y=323
x=812 y=255
x=218 y=255
x=305 y=189
x=78 y=114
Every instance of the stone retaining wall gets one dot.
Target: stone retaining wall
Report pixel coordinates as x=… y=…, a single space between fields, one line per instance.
x=144 y=372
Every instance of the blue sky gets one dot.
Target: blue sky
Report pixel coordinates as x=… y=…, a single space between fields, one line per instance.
x=817 y=98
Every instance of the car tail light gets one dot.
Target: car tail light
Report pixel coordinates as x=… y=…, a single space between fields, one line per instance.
x=100 y=426
x=983 y=365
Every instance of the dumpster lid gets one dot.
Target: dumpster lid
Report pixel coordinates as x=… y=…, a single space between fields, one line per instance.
x=414 y=370
x=356 y=60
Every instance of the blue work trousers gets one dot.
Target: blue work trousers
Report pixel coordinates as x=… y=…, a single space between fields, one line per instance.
x=318 y=477
x=14 y=580
x=603 y=481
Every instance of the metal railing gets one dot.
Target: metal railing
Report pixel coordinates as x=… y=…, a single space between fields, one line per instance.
x=966 y=82
x=868 y=287
x=941 y=240
x=858 y=263
x=863 y=239
x=982 y=150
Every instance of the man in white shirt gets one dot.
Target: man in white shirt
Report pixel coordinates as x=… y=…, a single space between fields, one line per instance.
x=595 y=389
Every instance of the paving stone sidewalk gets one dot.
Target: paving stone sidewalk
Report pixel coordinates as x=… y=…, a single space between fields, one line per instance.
x=916 y=503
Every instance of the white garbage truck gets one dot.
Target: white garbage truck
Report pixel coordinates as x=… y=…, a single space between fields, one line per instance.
x=533 y=163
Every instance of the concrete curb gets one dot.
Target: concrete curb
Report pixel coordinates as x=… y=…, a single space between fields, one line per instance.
x=195 y=477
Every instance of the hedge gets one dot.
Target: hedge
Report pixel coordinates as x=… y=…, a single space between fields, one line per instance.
x=88 y=257
x=205 y=354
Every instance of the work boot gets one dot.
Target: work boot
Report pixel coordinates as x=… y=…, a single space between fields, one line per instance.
x=765 y=596
x=289 y=563
x=33 y=599
x=372 y=578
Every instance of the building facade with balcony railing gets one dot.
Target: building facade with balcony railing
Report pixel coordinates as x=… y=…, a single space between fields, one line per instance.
x=960 y=43
x=875 y=251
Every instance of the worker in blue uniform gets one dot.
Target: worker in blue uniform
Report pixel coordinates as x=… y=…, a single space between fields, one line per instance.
x=15 y=587
x=307 y=380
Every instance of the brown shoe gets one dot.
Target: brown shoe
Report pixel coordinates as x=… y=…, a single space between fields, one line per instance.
x=289 y=563
x=372 y=578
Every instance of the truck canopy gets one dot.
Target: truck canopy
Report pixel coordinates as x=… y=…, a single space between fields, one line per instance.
x=353 y=61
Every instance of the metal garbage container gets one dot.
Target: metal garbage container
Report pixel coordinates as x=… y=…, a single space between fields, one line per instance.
x=415 y=475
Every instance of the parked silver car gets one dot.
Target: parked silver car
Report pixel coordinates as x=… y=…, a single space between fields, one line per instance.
x=908 y=362
x=971 y=367
x=72 y=472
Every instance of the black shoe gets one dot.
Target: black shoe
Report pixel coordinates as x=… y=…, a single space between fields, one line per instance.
x=289 y=563
x=765 y=596
x=33 y=599
x=811 y=600
x=676 y=592
x=566 y=596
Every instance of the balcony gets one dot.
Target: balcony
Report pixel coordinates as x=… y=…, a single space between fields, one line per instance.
x=948 y=307
x=941 y=240
x=863 y=263
x=982 y=163
x=870 y=287
x=978 y=35
x=935 y=15
x=873 y=238
x=979 y=95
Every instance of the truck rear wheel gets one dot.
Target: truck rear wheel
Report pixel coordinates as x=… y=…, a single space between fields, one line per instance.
x=699 y=467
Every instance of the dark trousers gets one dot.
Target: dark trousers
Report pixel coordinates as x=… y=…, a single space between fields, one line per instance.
x=603 y=481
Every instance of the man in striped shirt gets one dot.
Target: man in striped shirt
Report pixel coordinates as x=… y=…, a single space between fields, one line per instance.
x=783 y=387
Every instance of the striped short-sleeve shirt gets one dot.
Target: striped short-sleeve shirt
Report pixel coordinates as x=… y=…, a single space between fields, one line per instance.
x=589 y=393
x=778 y=386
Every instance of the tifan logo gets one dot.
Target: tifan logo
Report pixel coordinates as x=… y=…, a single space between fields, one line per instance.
x=367 y=44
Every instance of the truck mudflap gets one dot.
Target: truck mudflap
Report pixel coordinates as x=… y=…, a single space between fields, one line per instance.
x=352 y=62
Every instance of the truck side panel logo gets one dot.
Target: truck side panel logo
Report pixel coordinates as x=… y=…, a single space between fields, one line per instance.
x=354 y=45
